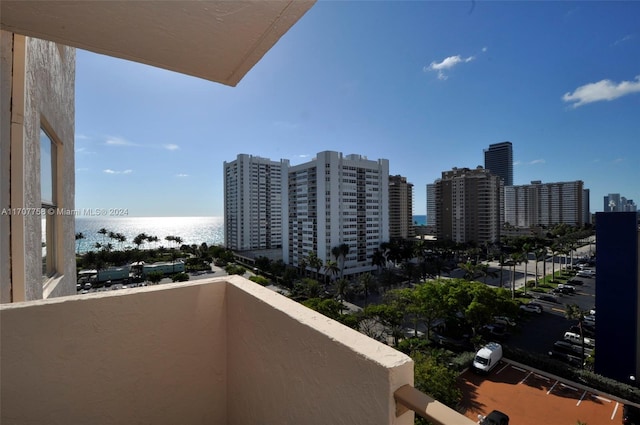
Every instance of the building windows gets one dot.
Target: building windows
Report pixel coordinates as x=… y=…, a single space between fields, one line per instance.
x=48 y=195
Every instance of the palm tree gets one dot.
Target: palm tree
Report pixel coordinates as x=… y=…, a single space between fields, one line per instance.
x=515 y=258
x=314 y=262
x=573 y=312
x=526 y=248
x=340 y=253
x=378 y=260
x=302 y=265
x=469 y=270
x=367 y=282
x=79 y=236
x=331 y=269
x=541 y=254
x=140 y=240
x=103 y=232
x=341 y=288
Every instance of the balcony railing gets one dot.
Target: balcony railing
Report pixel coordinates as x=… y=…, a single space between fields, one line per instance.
x=215 y=351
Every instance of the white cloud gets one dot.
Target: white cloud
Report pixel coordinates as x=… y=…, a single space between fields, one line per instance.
x=118 y=141
x=448 y=63
x=602 y=90
x=82 y=169
x=623 y=39
x=182 y=175
x=517 y=162
x=110 y=171
x=538 y=161
x=171 y=147
x=80 y=136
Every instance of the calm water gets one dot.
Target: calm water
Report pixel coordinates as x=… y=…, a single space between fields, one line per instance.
x=192 y=230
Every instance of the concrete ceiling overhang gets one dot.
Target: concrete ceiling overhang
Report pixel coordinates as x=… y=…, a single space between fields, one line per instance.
x=215 y=40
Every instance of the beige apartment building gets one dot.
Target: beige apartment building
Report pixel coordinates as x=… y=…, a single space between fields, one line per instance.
x=400 y=208
x=469 y=205
x=217 y=351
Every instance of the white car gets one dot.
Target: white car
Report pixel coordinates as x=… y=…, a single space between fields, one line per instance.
x=532 y=308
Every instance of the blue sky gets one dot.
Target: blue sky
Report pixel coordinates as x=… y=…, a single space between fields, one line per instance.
x=427 y=85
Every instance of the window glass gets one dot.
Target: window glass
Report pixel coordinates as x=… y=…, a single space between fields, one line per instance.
x=48 y=201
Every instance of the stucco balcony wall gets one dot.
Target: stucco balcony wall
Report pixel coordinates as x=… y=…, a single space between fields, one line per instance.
x=219 y=351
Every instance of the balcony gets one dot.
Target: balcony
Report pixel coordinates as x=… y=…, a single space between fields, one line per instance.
x=216 y=351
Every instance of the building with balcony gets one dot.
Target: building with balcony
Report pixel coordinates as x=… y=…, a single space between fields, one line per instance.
x=337 y=199
x=400 y=208
x=499 y=160
x=222 y=351
x=545 y=204
x=253 y=198
x=469 y=205
x=431 y=205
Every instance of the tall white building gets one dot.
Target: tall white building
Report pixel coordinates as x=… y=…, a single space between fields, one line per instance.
x=545 y=204
x=253 y=202
x=334 y=200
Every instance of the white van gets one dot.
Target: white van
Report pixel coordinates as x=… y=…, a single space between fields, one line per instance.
x=574 y=338
x=487 y=357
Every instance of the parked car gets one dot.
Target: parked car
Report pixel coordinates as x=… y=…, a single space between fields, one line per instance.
x=504 y=320
x=496 y=417
x=548 y=297
x=590 y=318
x=630 y=415
x=576 y=282
x=532 y=308
x=575 y=339
x=495 y=332
x=586 y=331
x=570 y=289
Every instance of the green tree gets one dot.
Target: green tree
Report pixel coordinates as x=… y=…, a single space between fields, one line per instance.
x=388 y=315
x=436 y=379
x=180 y=277
x=368 y=283
x=79 y=236
x=573 y=312
x=155 y=277
x=540 y=254
x=315 y=263
x=331 y=269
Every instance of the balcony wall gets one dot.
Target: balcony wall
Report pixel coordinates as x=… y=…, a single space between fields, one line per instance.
x=213 y=352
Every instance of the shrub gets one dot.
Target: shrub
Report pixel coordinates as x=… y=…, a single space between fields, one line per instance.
x=260 y=280
x=180 y=277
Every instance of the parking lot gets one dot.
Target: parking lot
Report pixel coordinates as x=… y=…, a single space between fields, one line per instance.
x=530 y=397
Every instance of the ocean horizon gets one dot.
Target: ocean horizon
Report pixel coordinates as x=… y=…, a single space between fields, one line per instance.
x=192 y=230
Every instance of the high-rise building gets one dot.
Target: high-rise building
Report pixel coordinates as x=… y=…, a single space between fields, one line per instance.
x=400 y=208
x=469 y=205
x=618 y=295
x=586 y=206
x=431 y=204
x=335 y=200
x=613 y=202
x=253 y=201
x=545 y=204
x=499 y=160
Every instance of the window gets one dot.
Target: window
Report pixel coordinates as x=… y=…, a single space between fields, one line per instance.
x=48 y=172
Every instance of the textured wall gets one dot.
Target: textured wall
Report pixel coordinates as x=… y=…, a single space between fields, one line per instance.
x=135 y=356
x=216 y=351
x=291 y=365
x=6 y=43
x=49 y=101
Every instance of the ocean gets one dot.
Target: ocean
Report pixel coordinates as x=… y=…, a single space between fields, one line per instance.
x=192 y=230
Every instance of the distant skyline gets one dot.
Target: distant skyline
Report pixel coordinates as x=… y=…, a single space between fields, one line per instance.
x=426 y=85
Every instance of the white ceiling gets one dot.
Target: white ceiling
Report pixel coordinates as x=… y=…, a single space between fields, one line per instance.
x=215 y=40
